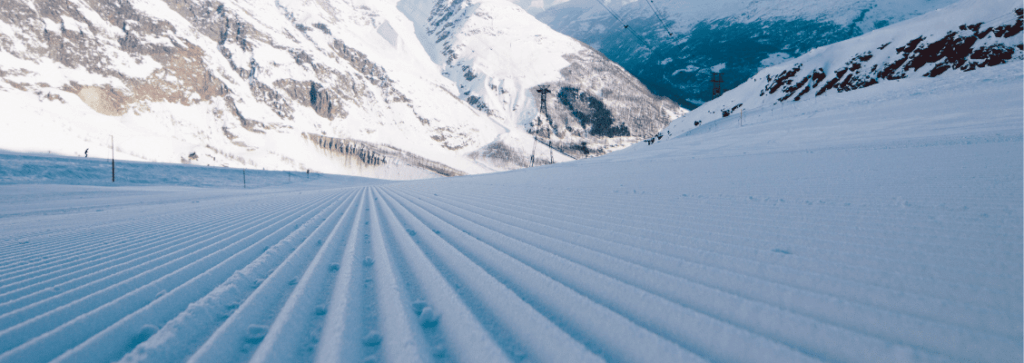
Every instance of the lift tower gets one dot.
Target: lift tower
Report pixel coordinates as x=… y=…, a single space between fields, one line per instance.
x=716 y=85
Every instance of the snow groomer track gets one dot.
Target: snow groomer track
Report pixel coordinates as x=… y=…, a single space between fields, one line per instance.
x=884 y=225
x=407 y=273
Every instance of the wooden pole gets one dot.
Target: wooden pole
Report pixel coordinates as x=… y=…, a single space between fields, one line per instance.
x=112 y=178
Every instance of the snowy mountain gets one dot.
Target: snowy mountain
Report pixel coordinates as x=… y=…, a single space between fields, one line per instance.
x=882 y=224
x=393 y=89
x=675 y=46
x=964 y=37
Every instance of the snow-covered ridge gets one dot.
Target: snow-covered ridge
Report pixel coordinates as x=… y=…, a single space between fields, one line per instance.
x=244 y=83
x=960 y=38
x=967 y=48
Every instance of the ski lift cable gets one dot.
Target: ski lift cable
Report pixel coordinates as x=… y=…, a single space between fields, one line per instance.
x=1011 y=14
x=609 y=11
x=662 y=20
x=624 y=25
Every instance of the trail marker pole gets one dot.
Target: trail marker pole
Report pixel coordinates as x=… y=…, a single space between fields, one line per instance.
x=112 y=179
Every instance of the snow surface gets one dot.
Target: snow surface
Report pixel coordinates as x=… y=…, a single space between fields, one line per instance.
x=878 y=225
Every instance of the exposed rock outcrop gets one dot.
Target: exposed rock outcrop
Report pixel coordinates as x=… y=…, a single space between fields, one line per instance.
x=967 y=48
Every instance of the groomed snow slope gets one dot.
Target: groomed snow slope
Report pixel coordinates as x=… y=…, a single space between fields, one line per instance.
x=878 y=225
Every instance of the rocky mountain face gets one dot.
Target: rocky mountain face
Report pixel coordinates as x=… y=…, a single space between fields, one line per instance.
x=585 y=116
x=564 y=93
x=966 y=48
x=675 y=47
x=961 y=38
x=394 y=89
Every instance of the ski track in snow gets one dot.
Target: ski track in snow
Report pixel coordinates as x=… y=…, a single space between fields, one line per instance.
x=431 y=271
x=791 y=239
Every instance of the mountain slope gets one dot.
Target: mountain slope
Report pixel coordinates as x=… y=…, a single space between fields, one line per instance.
x=675 y=46
x=500 y=57
x=964 y=37
x=337 y=86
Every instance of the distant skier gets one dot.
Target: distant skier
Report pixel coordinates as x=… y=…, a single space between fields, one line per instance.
x=87 y=152
x=696 y=123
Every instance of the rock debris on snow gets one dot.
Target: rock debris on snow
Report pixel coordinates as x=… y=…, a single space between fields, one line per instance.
x=145 y=332
x=255 y=333
x=372 y=338
x=418 y=305
x=428 y=318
